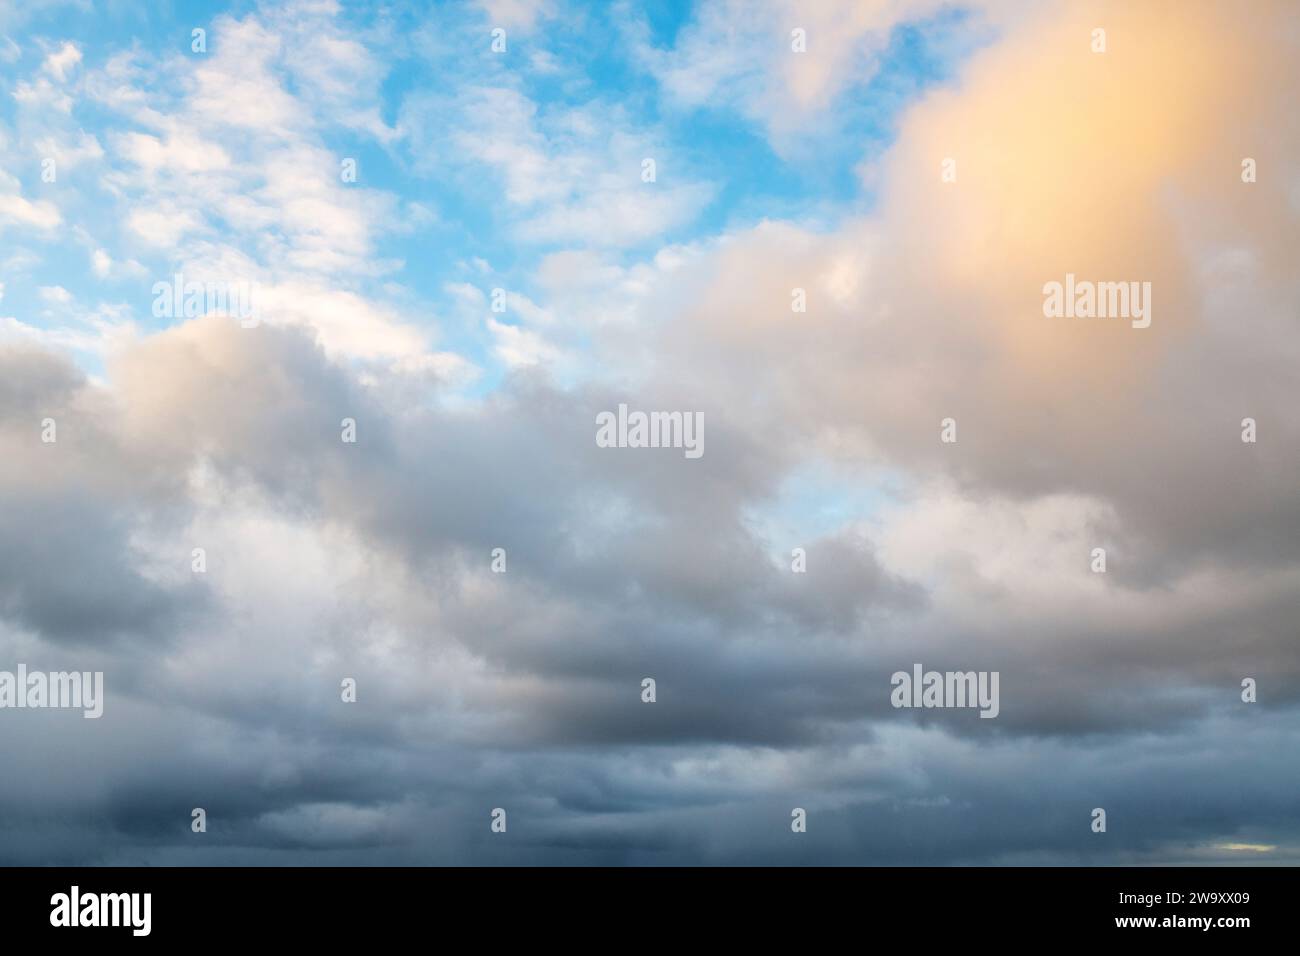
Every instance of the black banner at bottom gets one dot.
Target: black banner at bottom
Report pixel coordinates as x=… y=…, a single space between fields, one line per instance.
x=771 y=906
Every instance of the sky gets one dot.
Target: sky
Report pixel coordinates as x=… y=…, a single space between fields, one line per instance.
x=825 y=228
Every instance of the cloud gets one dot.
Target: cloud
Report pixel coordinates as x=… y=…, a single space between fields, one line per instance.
x=933 y=307
x=106 y=267
x=570 y=176
x=69 y=156
x=743 y=56
x=521 y=14
x=61 y=62
x=16 y=210
x=519 y=347
x=55 y=295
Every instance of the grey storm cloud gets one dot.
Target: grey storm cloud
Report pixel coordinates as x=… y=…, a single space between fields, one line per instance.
x=611 y=577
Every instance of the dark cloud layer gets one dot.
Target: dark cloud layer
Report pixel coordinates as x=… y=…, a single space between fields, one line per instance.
x=522 y=690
